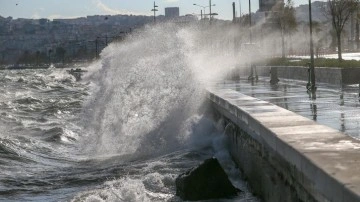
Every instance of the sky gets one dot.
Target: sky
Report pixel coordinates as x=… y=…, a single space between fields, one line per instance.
x=53 y=9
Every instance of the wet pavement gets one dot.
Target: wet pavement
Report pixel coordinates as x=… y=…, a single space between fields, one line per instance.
x=334 y=106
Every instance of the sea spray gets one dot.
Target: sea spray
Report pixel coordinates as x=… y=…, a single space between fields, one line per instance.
x=148 y=85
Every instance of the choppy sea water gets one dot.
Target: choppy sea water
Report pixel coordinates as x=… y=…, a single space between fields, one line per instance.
x=122 y=133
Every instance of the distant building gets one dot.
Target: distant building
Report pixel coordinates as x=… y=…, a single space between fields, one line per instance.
x=172 y=12
x=267 y=5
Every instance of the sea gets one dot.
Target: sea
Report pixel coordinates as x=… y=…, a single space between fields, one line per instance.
x=126 y=130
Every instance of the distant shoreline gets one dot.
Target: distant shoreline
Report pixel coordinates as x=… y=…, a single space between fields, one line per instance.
x=44 y=66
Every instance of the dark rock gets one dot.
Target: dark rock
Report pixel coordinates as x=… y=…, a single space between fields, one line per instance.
x=21 y=80
x=207 y=181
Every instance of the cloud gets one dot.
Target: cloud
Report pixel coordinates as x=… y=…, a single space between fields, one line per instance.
x=100 y=5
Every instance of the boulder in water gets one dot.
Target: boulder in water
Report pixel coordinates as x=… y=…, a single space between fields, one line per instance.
x=20 y=80
x=207 y=181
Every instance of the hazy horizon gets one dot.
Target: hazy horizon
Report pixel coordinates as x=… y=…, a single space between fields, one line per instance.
x=53 y=9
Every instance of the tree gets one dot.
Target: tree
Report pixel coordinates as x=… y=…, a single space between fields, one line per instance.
x=288 y=18
x=287 y=22
x=340 y=11
x=283 y=17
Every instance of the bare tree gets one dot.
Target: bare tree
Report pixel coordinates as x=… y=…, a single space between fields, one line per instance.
x=340 y=11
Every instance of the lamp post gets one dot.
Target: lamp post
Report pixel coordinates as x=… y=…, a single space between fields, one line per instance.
x=203 y=7
x=250 y=34
x=154 y=10
x=210 y=10
x=252 y=66
x=210 y=13
x=240 y=8
x=233 y=7
x=311 y=86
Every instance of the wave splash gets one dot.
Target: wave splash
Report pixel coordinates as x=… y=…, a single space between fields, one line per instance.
x=148 y=86
x=146 y=110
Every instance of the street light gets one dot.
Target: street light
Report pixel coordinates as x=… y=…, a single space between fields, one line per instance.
x=311 y=86
x=204 y=7
x=252 y=66
x=201 y=10
x=210 y=9
x=154 y=9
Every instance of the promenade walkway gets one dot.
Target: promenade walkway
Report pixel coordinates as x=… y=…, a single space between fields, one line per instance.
x=333 y=106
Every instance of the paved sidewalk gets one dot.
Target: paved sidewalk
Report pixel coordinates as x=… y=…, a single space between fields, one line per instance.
x=330 y=105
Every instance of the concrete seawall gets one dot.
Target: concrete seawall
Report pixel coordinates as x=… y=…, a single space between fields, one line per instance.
x=287 y=157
